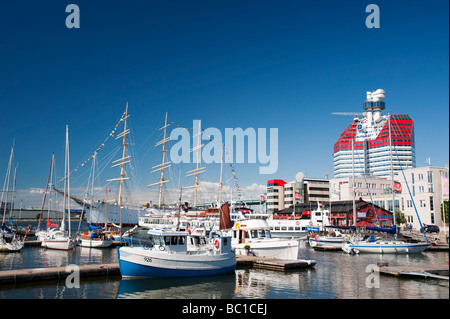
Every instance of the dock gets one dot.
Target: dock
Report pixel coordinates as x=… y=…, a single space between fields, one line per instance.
x=56 y=273
x=432 y=271
x=273 y=263
x=61 y=273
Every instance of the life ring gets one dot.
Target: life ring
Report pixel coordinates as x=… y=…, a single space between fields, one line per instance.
x=310 y=223
x=297 y=223
x=217 y=243
x=236 y=225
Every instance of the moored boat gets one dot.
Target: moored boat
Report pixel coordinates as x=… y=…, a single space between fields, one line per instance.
x=253 y=236
x=176 y=254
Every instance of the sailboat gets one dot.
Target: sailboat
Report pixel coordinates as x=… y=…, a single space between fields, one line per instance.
x=60 y=239
x=94 y=237
x=372 y=245
x=9 y=239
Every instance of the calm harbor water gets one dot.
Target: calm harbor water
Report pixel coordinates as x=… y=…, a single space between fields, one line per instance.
x=336 y=275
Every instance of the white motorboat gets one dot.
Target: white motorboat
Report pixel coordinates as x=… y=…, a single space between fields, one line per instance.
x=334 y=239
x=253 y=236
x=176 y=254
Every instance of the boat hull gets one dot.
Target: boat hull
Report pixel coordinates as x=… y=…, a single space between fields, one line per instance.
x=388 y=248
x=327 y=242
x=141 y=263
x=96 y=216
x=58 y=244
x=281 y=249
x=95 y=243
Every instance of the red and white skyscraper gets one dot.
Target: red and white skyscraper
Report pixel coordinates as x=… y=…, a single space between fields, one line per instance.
x=370 y=144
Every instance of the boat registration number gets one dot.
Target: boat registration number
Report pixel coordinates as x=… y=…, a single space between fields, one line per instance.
x=147 y=259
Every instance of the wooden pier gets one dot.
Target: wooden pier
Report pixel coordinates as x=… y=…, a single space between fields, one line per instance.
x=56 y=273
x=433 y=271
x=273 y=263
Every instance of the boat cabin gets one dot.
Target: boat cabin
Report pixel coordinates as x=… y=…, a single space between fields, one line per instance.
x=250 y=230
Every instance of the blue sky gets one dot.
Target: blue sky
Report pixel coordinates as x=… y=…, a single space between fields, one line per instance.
x=260 y=64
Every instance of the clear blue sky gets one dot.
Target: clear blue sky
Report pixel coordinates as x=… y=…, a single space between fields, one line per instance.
x=261 y=64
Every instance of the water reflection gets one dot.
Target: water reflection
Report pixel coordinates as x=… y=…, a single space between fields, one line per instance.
x=211 y=287
x=336 y=275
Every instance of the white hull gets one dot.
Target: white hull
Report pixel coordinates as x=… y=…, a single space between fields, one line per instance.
x=281 y=249
x=58 y=243
x=387 y=247
x=92 y=243
x=333 y=242
x=96 y=216
x=10 y=247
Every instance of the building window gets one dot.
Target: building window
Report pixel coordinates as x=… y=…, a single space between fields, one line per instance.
x=431 y=203
x=430 y=177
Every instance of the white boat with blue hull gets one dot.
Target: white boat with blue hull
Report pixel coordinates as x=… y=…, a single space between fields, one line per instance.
x=176 y=254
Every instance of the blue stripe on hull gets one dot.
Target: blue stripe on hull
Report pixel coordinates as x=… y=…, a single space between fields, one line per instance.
x=128 y=269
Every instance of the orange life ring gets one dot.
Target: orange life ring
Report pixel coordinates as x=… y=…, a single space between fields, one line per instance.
x=310 y=223
x=297 y=223
x=217 y=243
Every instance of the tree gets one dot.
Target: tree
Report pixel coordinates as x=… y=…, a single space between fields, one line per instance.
x=446 y=208
x=400 y=218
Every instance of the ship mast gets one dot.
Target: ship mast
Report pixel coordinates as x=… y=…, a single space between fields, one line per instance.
x=121 y=162
x=161 y=167
x=198 y=169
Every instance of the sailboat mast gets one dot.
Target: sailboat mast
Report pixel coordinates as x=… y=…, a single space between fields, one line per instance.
x=353 y=182
x=198 y=169
x=68 y=177
x=221 y=178
x=8 y=174
x=392 y=170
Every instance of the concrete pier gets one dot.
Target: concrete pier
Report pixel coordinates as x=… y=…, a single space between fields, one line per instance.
x=56 y=273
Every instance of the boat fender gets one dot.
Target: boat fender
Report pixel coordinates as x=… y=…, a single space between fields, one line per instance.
x=217 y=243
x=161 y=247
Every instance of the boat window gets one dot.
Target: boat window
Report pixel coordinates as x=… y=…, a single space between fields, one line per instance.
x=225 y=241
x=157 y=240
x=254 y=234
x=247 y=235
x=174 y=240
x=181 y=240
x=297 y=228
x=261 y=234
x=268 y=234
x=167 y=240
x=283 y=228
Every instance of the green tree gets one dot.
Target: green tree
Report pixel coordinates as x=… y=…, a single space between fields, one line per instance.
x=445 y=211
x=400 y=218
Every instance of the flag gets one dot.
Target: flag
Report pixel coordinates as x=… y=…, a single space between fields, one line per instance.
x=108 y=189
x=225 y=219
x=297 y=195
x=315 y=238
x=398 y=187
x=445 y=189
x=263 y=199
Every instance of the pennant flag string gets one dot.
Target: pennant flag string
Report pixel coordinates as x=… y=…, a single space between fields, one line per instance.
x=111 y=134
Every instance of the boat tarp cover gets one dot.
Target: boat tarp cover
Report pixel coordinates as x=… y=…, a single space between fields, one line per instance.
x=392 y=230
x=94 y=227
